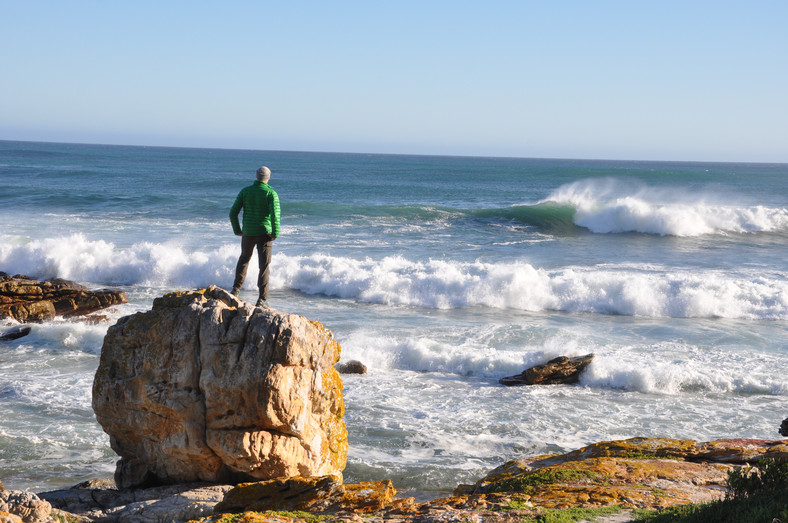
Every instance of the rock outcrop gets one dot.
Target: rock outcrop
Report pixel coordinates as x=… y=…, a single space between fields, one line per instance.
x=559 y=370
x=205 y=387
x=784 y=428
x=638 y=473
x=20 y=331
x=25 y=506
x=27 y=300
x=351 y=367
x=171 y=503
x=646 y=473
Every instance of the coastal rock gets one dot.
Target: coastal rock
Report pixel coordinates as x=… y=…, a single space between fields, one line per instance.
x=559 y=370
x=27 y=300
x=205 y=387
x=784 y=428
x=173 y=503
x=24 y=505
x=321 y=495
x=15 y=333
x=650 y=473
x=351 y=367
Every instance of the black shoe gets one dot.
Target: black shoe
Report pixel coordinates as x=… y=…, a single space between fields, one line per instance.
x=261 y=303
x=235 y=291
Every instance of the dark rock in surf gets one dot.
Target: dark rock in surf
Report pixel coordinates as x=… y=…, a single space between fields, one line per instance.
x=351 y=367
x=17 y=332
x=784 y=428
x=556 y=371
x=27 y=300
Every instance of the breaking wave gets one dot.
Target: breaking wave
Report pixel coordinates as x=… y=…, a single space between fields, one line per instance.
x=630 y=290
x=614 y=206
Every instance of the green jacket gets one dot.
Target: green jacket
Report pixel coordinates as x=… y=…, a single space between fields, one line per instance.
x=261 y=210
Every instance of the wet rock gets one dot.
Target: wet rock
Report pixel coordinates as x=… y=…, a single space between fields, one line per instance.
x=205 y=387
x=784 y=428
x=15 y=333
x=27 y=300
x=559 y=370
x=351 y=367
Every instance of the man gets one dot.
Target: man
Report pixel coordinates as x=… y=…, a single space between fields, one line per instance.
x=260 y=228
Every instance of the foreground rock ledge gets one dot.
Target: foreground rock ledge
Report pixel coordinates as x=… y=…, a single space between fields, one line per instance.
x=643 y=473
x=205 y=387
x=28 y=300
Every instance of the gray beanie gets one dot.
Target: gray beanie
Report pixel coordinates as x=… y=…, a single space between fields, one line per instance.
x=263 y=174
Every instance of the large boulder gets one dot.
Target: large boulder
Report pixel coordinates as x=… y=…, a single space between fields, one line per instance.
x=205 y=387
x=27 y=300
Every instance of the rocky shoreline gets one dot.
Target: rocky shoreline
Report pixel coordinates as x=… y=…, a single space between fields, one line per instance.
x=27 y=300
x=638 y=473
x=216 y=407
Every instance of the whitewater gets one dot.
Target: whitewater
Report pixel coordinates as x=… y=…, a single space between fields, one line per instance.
x=441 y=274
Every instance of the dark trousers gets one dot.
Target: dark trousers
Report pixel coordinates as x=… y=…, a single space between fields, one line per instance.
x=263 y=244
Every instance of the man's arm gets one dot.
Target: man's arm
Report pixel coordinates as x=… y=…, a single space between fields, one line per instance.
x=275 y=212
x=234 y=210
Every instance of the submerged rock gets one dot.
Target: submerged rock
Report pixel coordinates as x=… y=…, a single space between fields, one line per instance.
x=205 y=387
x=559 y=370
x=27 y=300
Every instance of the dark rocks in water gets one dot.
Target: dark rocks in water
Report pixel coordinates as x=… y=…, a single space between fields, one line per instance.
x=784 y=428
x=556 y=371
x=351 y=367
x=15 y=333
x=27 y=300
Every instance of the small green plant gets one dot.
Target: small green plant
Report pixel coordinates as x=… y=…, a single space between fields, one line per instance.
x=755 y=494
x=768 y=478
x=570 y=515
x=528 y=481
x=298 y=514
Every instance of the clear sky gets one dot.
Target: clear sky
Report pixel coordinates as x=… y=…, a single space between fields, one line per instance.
x=662 y=80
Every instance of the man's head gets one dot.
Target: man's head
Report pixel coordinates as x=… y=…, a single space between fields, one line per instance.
x=264 y=174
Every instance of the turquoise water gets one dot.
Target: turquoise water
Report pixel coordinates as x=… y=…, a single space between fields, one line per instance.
x=442 y=275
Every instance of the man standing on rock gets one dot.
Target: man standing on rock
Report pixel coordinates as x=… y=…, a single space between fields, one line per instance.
x=260 y=228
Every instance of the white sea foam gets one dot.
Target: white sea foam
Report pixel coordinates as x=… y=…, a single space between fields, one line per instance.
x=630 y=290
x=613 y=206
x=664 y=368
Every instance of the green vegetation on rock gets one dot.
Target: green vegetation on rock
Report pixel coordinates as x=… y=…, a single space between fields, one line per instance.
x=528 y=481
x=571 y=515
x=756 y=494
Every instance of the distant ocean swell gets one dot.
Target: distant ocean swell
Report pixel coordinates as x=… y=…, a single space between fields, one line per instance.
x=630 y=290
x=611 y=206
x=601 y=207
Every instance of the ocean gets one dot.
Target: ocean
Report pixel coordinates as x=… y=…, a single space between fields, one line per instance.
x=441 y=274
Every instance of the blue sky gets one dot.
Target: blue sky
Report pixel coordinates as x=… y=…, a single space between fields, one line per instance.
x=667 y=80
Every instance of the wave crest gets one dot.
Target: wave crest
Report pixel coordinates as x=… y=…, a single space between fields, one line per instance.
x=630 y=290
x=615 y=206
